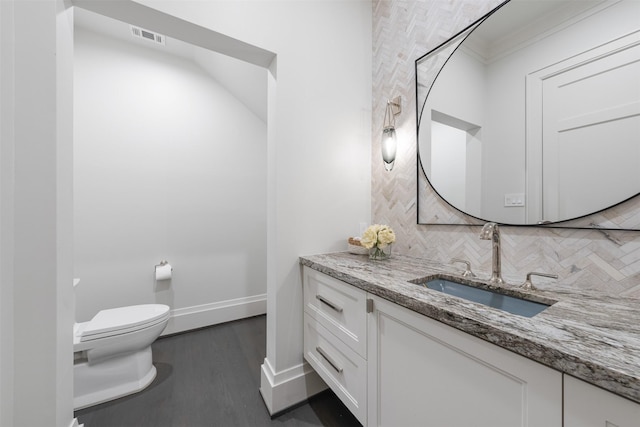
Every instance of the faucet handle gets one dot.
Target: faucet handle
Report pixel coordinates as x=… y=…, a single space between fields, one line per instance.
x=527 y=283
x=467 y=271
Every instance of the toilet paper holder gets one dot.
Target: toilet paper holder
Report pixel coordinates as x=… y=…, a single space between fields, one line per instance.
x=164 y=271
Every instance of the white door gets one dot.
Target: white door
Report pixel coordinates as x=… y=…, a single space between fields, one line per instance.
x=591 y=133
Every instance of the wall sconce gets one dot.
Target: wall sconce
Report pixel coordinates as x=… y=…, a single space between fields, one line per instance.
x=389 y=143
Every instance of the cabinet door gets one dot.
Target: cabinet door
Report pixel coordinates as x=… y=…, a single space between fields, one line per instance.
x=586 y=405
x=424 y=373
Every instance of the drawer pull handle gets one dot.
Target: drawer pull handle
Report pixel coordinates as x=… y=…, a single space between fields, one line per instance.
x=335 y=306
x=331 y=362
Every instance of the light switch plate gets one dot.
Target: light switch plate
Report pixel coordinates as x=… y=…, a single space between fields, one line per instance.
x=514 y=199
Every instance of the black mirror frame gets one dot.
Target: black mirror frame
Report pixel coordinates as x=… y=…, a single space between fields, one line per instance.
x=584 y=222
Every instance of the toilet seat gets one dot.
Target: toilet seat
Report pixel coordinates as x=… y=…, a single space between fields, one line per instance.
x=117 y=321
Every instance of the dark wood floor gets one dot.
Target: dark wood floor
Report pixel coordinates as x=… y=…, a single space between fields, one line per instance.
x=210 y=377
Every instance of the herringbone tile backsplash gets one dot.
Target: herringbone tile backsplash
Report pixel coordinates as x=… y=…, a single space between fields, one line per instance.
x=404 y=30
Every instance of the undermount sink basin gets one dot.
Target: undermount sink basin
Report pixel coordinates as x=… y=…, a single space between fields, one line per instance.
x=511 y=304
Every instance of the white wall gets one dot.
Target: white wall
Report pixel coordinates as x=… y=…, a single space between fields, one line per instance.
x=319 y=133
x=65 y=302
x=167 y=165
x=36 y=212
x=449 y=172
x=460 y=91
x=6 y=212
x=319 y=148
x=319 y=176
x=456 y=99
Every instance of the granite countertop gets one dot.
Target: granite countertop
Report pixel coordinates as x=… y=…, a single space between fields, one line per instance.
x=586 y=334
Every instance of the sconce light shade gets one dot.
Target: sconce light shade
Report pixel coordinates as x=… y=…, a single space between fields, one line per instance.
x=389 y=142
x=389 y=147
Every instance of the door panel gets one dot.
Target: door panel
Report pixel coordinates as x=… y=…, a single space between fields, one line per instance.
x=591 y=134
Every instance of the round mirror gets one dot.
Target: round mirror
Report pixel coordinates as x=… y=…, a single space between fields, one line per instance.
x=534 y=116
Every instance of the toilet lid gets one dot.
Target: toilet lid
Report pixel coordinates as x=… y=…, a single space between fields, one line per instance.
x=113 y=320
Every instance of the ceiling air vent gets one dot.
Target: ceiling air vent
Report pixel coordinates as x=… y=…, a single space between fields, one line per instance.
x=147 y=35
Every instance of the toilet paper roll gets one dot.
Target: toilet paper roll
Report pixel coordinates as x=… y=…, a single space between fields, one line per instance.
x=163 y=272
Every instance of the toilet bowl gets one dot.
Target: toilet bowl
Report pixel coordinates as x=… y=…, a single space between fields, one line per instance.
x=112 y=352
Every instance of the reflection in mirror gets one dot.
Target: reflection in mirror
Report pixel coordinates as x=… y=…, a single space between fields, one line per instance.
x=534 y=115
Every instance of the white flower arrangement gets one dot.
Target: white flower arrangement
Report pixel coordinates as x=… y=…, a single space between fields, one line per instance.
x=378 y=239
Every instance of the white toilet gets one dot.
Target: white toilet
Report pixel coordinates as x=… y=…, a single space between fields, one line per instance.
x=112 y=352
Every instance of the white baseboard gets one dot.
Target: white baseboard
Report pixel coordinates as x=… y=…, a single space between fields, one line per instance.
x=286 y=388
x=198 y=316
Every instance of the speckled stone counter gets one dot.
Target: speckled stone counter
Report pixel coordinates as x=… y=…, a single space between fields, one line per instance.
x=588 y=335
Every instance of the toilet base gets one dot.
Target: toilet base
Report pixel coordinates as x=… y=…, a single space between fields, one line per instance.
x=112 y=378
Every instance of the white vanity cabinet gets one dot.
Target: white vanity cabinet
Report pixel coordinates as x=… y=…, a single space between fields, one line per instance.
x=423 y=372
x=586 y=405
x=395 y=367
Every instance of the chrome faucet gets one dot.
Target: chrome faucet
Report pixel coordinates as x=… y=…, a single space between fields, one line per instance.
x=467 y=270
x=491 y=231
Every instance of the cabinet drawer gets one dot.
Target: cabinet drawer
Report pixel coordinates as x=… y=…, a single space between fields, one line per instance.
x=344 y=371
x=338 y=306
